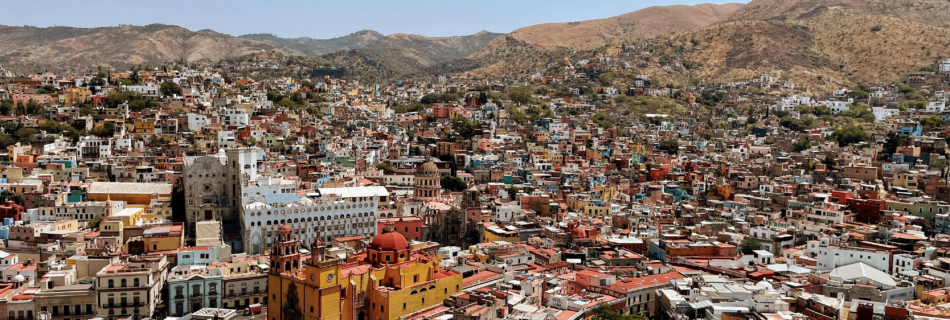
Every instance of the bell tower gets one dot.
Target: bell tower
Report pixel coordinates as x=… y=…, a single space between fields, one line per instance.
x=471 y=203
x=318 y=250
x=284 y=256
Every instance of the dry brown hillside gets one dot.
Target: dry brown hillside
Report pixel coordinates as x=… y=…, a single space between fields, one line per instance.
x=82 y=49
x=936 y=12
x=834 y=48
x=590 y=34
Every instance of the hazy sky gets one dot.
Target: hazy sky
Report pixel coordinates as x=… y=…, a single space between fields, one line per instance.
x=318 y=18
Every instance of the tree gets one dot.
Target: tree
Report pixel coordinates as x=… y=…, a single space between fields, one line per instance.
x=108 y=129
x=604 y=121
x=386 y=167
x=463 y=127
x=605 y=312
x=890 y=145
x=454 y=184
x=671 y=146
x=520 y=95
x=930 y=122
x=923 y=223
x=169 y=88
x=94 y=223
x=801 y=145
x=512 y=192
x=749 y=244
x=830 y=161
x=849 y=135
x=6 y=105
x=250 y=141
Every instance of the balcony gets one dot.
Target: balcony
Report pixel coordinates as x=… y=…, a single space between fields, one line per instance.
x=179 y=296
x=213 y=293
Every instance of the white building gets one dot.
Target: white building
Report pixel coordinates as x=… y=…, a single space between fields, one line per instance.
x=881 y=113
x=197 y=122
x=335 y=212
x=938 y=106
x=831 y=256
x=235 y=117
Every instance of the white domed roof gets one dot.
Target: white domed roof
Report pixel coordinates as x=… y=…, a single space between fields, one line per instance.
x=19 y=278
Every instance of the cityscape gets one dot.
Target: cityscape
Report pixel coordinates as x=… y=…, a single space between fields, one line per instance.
x=775 y=159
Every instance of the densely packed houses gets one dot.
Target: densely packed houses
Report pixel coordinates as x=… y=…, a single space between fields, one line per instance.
x=188 y=193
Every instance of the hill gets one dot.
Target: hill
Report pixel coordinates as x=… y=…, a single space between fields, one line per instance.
x=528 y=50
x=936 y=12
x=316 y=47
x=67 y=49
x=825 y=48
x=586 y=35
x=400 y=55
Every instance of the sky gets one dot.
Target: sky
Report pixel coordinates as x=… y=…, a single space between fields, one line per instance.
x=322 y=19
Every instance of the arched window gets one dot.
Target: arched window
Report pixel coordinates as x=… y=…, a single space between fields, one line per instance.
x=111 y=283
x=135 y=282
x=124 y=283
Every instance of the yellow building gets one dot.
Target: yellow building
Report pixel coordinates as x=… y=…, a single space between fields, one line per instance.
x=143 y=126
x=494 y=233
x=387 y=281
x=74 y=95
x=130 y=192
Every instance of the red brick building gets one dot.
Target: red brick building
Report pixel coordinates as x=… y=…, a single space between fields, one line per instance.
x=408 y=227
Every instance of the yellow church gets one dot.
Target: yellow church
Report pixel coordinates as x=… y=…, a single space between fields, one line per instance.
x=387 y=281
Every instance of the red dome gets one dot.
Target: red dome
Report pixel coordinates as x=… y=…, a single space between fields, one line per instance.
x=285 y=227
x=579 y=232
x=901 y=219
x=392 y=241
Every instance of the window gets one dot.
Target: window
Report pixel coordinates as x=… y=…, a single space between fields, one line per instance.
x=111 y=283
x=403 y=307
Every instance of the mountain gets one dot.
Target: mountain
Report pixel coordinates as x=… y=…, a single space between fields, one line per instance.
x=67 y=49
x=528 y=49
x=586 y=35
x=823 y=44
x=399 y=55
x=936 y=12
x=436 y=49
x=316 y=47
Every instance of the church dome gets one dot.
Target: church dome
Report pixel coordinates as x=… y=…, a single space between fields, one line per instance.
x=285 y=227
x=391 y=241
x=579 y=232
x=427 y=170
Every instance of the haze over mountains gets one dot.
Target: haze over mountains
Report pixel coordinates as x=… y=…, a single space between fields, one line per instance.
x=848 y=40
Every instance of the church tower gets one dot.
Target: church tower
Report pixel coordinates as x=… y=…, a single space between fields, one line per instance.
x=427 y=184
x=284 y=256
x=471 y=203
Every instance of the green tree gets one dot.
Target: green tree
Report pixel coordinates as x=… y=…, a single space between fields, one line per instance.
x=603 y=120
x=749 y=244
x=94 y=223
x=512 y=192
x=250 y=141
x=605 y=312
x=6 y=105
x=890 y=145
x=931 y=122
x=386 y=167
x=849 y=135
x=463 y=127
x=169 y=88
x=671 y=146
x=454 y=184
x=830 y=161
x=801 y=145
x=521 y=95
x=108 y=129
